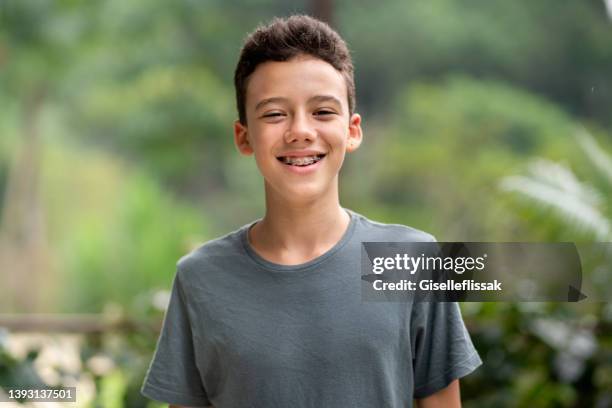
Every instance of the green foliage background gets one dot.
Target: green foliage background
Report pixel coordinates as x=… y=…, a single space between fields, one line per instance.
x=132 y=105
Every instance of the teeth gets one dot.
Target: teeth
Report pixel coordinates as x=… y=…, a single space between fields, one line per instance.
x=301 y=161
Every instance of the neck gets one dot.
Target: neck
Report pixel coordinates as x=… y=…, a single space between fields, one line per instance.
x=299 y=229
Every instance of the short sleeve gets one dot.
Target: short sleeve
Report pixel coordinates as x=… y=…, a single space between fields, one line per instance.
x=173 y=376
x=441 y=346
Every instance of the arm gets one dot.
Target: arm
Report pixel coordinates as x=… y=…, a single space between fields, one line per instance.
x=448 y=397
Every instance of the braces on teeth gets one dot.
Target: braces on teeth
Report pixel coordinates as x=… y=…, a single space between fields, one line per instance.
x=302 y=161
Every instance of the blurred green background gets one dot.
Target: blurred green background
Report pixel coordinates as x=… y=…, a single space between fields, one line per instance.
x=484 y=120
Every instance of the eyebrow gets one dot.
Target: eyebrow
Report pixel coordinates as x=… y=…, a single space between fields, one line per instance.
x=316 y=98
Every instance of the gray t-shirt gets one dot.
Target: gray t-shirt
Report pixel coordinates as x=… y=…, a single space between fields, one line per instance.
x=241 y=331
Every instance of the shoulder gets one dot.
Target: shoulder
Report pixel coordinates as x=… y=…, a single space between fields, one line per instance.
x=378 y=231
x=220 y=249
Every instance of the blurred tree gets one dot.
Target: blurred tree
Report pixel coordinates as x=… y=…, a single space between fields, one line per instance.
x=114 y=231
x=557 y=49
x=445 y=147
x=156 y=87
x=552 y=354
x=32 y=48
x=579 y=204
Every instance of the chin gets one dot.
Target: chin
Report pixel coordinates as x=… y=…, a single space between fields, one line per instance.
x=304 y=193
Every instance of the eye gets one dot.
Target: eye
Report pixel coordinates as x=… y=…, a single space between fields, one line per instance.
x=272 y=115
x=324 y=112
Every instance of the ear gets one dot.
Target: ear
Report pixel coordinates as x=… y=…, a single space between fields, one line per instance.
x=355 y=134
x=241 y=139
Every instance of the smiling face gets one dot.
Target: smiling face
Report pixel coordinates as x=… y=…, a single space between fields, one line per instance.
x=298 y=127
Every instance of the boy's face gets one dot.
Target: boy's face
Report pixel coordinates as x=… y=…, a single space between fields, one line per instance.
x=298 y=126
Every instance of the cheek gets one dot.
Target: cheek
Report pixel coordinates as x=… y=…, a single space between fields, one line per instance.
x=265 y=167
x=341 y=140
x=264 y=157
x=263 y=160
x=259 y=141
x=336 y=131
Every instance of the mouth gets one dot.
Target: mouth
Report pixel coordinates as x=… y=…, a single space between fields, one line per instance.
x=303 y=161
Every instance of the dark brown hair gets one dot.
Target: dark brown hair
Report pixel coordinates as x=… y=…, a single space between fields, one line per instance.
x=286 y=38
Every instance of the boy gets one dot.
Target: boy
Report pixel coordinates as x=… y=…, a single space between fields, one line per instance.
x=271 y=315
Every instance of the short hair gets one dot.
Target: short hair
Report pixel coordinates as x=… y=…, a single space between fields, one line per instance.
x=285 y=38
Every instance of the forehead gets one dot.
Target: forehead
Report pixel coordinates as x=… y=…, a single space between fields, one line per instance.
x=296 y=80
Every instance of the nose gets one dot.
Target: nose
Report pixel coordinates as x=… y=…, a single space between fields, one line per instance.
x=300 y=129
